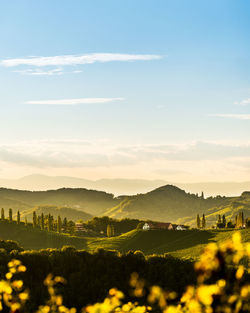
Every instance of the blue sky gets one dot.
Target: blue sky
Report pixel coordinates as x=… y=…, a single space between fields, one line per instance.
x=135 y=89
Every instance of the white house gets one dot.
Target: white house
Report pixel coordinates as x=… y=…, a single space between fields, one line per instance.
x=180 y=227
x=146 y=226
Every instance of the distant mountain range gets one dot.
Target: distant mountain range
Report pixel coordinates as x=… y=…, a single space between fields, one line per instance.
x=121 y=186
x=167 y=203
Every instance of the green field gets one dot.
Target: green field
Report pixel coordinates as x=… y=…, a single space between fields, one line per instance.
x=31 y=238
x=182 y=244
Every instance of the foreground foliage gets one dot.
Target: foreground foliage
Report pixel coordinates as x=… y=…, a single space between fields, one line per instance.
x=222 y=286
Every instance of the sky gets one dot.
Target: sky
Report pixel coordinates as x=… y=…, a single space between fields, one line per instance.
x=125 y=89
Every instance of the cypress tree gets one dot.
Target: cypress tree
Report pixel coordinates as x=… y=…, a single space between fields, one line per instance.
x=49 y=223
x=10 y=215
x=2 y=214
x=224 y=222
x=112 y=230
x=42 y=221
x=198 y=221
x=219 y=219
x=59 y=224
x=203 y=223
x=18 y=217
x=109 y=231
x=34 y=219
x=65 y=225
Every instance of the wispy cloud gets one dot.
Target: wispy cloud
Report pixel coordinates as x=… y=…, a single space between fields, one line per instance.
x=74 y=101
x=63 y=60
x=38 y=72
x=243 y=102
x=234 y=116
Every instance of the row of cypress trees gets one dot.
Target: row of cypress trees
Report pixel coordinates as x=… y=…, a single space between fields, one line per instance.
x=44 y=222
x=201 y=223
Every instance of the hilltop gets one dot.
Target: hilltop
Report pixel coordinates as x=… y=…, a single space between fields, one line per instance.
x=167 y=203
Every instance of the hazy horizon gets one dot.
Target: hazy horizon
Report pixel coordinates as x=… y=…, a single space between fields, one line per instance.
x=122 y=186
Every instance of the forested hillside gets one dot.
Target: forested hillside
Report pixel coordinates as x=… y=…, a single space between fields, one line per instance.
x=167 y=203
x=69 y=213
x=90 y=201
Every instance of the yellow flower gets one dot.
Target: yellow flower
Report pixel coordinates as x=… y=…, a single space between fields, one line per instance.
x=240 y=272
x=9 y=275
x=23 y=296
x=21 y=268
x=18 y=284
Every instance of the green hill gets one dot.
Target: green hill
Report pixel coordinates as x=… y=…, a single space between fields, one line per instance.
x=230 y=209
x=184 y=244
x=34 y=238
x=167 y=203
x=69 y=213
x=90 y=201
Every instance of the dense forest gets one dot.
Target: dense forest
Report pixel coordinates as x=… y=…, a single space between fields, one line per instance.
x=86 y=273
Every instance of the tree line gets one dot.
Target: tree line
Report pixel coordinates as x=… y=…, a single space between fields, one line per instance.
x=44 y=222
x=90 y=276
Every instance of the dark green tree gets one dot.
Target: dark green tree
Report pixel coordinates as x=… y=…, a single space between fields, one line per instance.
x=203 y=222
x=198 y=221
x=42 y=222
x=109 y=231
x=59 y=224
x=224 y=222
x=10 y=215
x=34 y=219
x=18 y=217
x=65 y=225
x=230 y=224
x=112 y=230
x=2 y=214
x=50 y=221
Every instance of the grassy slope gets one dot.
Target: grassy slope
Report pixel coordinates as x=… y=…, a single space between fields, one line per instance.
x=183 y=244
x=30 y=238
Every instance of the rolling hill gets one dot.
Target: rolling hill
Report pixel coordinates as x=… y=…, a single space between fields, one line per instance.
x=167 y=203
x=183 y=244
x=89 y=201
x=69 y=213
x=33 y=238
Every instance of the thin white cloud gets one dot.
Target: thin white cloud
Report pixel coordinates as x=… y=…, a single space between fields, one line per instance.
x=38 y=72
x=74 y=101
x=234 y=116
x=63 y=60
x=243 y=102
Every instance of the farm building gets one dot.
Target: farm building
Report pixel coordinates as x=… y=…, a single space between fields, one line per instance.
x=151 y=226
x=181 y=227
